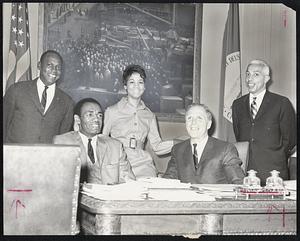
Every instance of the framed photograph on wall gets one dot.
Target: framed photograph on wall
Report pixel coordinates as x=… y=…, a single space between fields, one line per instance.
x=98 y=40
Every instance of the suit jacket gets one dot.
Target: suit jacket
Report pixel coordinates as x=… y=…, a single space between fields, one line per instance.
x=111 y=165
x=24 y=120
x=272 y=134
x=219 y=163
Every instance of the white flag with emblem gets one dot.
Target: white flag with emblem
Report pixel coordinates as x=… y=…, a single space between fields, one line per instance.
x=231 y=85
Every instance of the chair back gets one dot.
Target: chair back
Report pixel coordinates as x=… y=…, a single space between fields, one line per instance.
x=41 y=184
x=243 y=151
x=292 y=164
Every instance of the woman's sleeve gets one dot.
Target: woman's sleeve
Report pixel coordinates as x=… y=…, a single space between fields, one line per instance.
x=158 y=146
x=107 y=122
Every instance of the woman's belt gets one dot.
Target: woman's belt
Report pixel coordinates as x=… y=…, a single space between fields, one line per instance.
x=133 y=143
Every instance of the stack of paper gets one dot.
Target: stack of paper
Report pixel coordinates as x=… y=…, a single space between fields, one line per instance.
x=178 y=195
x=146 y=188
x=157 y=182
x=124 y=191
x=217 y=190
x=290 y=185
x=216 y=187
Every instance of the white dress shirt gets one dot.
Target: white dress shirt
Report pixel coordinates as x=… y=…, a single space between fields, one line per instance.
x=50 y=92
x=85 y=141
x=259 y=99
x=200 y=146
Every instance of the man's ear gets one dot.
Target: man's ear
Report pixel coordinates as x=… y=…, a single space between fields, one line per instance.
x=39 y=65
x=209 y=124
x=125 y=87
x=267 y=78
x=77 y=123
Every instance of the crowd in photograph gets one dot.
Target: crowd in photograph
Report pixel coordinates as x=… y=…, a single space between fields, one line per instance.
x=100 y=66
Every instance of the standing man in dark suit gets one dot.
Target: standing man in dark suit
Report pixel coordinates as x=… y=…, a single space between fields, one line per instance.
x=203 y=159
x=35 y=111
x=267 y=121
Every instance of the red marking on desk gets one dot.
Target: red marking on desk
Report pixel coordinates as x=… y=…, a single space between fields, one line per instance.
x=262 y=193
x=270 y=209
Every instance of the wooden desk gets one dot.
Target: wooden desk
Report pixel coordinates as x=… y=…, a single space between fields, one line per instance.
x=151 y=217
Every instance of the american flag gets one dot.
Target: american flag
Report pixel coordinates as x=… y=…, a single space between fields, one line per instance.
x=19 y=63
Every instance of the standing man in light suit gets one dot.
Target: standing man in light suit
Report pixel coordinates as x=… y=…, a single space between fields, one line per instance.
x=267 y=120
x=103 y=159
x=35 y=111
x=201 y=158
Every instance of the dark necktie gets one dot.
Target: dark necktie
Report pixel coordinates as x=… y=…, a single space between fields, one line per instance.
x=195 y=155
x=90 y=151
x=253 y=108
x=44 y=98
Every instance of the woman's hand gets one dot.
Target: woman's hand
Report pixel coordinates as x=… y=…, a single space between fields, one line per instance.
x=180 y=139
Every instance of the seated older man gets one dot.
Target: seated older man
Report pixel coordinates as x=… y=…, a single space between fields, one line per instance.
x=203 y=159
x=103 y=159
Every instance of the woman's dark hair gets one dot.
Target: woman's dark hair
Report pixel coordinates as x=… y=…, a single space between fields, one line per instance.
x=130 y=69
x=78 y=106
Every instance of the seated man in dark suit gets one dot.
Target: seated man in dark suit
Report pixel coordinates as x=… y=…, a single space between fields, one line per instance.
x=203 y=159
x=103 y=159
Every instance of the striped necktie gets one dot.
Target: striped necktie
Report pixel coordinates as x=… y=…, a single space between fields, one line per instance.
x=195 y=155
x=253 y=108
x=44 y=98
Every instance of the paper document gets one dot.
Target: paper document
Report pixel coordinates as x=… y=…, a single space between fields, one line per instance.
x=216 y=187
x=217 y=190
x=178 y=195
x=290 y=185
x=157 y=182
x=124 y=191
x=146 y=188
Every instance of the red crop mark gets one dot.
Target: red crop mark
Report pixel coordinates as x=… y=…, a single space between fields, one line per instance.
x=12 y=203
x=18 y=203
x=284 y=16
x=19 y=190
x=270 y=209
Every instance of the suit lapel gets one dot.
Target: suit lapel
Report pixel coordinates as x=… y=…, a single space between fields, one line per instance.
x=80 y=143
x=247 y=106
x=187 y=155
x=101 y=149
x=55 y=101
x=35 y=96
x=264 y=105
x=207 y=153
